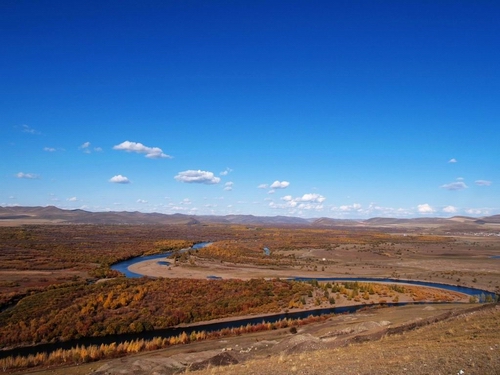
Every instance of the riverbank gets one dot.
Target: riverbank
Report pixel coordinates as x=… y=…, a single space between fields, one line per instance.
x=338 y=333
x=203 y=268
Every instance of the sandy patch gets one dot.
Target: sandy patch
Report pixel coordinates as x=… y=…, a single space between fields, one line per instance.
x=206 y=269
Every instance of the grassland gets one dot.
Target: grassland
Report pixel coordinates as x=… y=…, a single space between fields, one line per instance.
x=48 y=273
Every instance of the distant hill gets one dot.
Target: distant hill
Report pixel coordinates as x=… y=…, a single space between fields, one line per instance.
x=57 y=215
x=326 y=221
x=254 y=220
x=53 y=215
x=420 y=221
x=495 y=219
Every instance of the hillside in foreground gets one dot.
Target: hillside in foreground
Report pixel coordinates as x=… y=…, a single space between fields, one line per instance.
x=464 y=345
x=411 y=340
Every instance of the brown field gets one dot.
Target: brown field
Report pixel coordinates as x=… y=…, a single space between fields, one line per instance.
x=40 y=261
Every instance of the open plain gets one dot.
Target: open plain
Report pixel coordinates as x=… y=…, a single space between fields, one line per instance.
x=57 y=284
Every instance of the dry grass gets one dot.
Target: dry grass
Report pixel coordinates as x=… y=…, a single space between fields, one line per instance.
x=469 y=343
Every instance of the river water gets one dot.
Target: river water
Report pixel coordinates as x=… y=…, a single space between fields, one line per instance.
x=481 y=294
x=124 y=265
x=175 y=331
x=210 y=327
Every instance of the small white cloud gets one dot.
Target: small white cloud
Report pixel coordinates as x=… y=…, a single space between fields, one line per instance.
x=263 y=186
x=142 y=201
x=228 y=186
x=280 y=185
x=350 y=208
x=197 y=177
x=72 y=199
x=477 y=211
x=150 y=152
x=483 y=183
x=374 y=209
x=29 y=130
x=450 y=209
x=226 y=172
x=29 y=176
x=306 y=202
x=85 y=147
x=313 y=198
x=452 y=160
x=49 y=149
x=458 y=185
x=98 y=149
x=119 y=179
x=425 y=208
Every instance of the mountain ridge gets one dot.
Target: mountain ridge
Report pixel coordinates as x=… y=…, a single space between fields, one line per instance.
x=52 y=214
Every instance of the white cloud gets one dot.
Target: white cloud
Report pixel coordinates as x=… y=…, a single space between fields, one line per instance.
x=306 y=202
x=372 y=210
x=151 y=152
x=349 y=208
x=483 y=183
x=452 y=160
x=142 y=201
x=197 y=177
x=457 y=185
x=72 y=199
x=425 y=208
x=226 y=172
x=49 y=149
x=280 y=185
x=312 y=198
x=119 y=179
x=29 y=130
x=29 y=176
x=228 y=186
x=450 y=209
x=477 y=211
x=263 y=186
x=85 y=147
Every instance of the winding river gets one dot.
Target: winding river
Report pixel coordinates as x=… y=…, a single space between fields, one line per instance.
x=123 y=267
x=210 y=327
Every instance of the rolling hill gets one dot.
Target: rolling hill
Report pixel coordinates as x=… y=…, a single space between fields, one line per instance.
x=19 y=215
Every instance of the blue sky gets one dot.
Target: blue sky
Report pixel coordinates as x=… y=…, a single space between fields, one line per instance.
x=344 y=109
